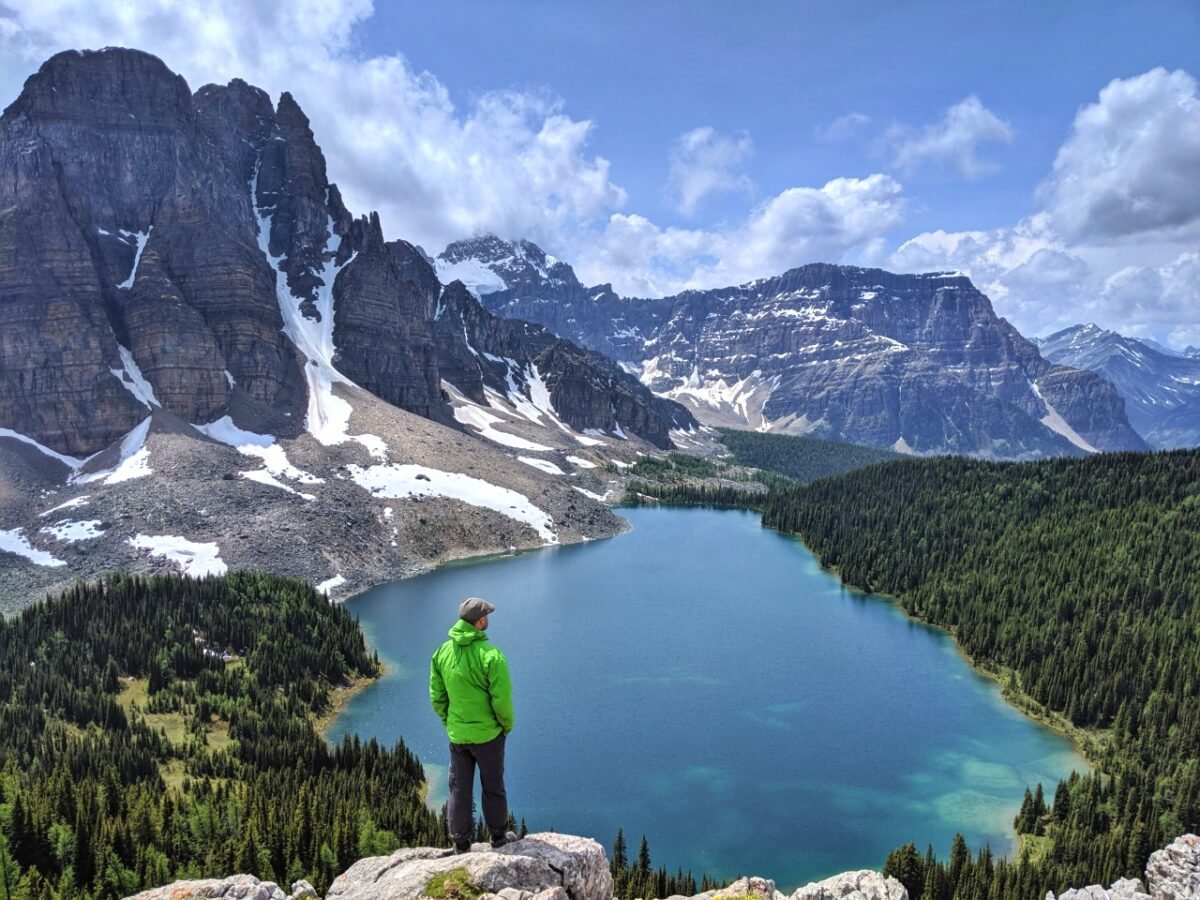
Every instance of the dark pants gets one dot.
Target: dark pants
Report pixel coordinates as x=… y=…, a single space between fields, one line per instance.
x=490 y=759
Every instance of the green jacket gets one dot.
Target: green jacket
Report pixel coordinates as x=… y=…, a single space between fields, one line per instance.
x=470 y=688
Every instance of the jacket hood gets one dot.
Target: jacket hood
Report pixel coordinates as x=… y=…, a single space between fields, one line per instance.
x=463 y=633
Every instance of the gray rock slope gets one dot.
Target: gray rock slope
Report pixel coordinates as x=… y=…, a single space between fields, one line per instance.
x=207 y=361
x=916 y=362
x=552 y=866
x=1161 y=389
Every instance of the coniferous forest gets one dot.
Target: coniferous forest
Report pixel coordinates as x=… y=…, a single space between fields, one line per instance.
x=155 y=728
x=158 y=728
x=1076 y=582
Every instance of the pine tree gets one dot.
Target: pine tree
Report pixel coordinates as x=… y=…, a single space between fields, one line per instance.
x=906 y=866
x=10 y=873
x=619 y=861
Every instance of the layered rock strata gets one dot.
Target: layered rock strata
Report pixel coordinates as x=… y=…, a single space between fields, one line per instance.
x=919 y=363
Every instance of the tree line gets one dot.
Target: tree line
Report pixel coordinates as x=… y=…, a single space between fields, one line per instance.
x=219 y=768
x=1077 y=581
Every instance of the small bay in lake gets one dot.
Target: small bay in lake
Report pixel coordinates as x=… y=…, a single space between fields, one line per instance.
x=703 y=681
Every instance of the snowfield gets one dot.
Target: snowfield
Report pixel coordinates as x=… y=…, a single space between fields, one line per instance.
x=263 y=447
x=484 y=424
x=395 y=481
x=71 y=531
x=14 y=542
x=543 y=464
x=194 y=559
x=135 y=460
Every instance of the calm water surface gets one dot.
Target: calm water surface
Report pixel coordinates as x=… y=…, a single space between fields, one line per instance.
x=703 y=681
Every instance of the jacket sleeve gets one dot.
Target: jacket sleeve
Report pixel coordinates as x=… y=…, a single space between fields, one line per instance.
x=500 y=690
x=437 y=691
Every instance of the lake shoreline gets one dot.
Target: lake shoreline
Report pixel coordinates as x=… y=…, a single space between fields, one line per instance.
x=1002 y=835
x=1088 y=744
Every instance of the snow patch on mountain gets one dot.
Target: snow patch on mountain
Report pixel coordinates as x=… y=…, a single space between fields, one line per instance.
x=543 y=465
x=395 y=481
x=72 y=462
x=475 y=275
x=1056 y=423
x=14 y=541
x=742 y=400
x=483 y=422
x=73 y=503
x=134 y=460
x=72 y=531
x=193 y=558
x=133 y=380
x=140 y=237
x=330 y=584
x=260 y=446
x=328 y=418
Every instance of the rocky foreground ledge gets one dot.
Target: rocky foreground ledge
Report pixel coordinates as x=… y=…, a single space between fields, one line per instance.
x=552 y=866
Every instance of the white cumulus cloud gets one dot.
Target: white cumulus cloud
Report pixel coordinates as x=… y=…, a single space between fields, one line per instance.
x=799 y=225
x=1132 y=162
x=705 y=162
x=952 y=141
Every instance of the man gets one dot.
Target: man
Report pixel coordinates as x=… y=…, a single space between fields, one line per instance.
x=471 y=692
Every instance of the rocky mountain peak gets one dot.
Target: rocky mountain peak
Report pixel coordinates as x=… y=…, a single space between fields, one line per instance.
x=920 y=363
x=1161 y=388
x=487 y=264
x=114 y=87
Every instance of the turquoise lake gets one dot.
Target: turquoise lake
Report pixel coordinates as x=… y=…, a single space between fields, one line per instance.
x=703 y=681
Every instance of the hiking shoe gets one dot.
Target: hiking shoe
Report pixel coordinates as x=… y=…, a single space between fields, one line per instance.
x=461 y=847
x=502 y=840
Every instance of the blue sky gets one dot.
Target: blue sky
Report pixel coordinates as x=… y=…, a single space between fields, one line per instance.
x=1050 y=150
x=645 y=72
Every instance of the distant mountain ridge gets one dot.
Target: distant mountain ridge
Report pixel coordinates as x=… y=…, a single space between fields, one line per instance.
x=917 y=363
x=1161 y=387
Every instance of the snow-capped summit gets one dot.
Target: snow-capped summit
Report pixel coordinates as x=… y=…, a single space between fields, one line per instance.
x=915 y=362
x=487 y=264
x=1161 y=387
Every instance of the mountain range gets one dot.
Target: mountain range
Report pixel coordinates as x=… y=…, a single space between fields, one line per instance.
x=207 y=358
x=1161 y=387
x=917 y=363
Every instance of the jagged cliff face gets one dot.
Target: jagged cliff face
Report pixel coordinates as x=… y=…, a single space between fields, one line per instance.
x=164 y=249
x=127 y=244
x=1161 y=389
x=188 y=304
x=512 y=359
x=914 y=362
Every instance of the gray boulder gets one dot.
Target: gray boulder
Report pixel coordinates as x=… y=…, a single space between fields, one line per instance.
x=1124 y=889
x=236 y=887
x=861 y=885
x=752 y=887
x=549 y=866
x=1174 y=873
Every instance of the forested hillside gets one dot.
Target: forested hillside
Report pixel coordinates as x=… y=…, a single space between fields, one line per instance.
x=803 y=459
x=1076 y=579
x=157 y=728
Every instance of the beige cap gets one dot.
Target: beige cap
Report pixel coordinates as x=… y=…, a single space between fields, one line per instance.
x=473 y=609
